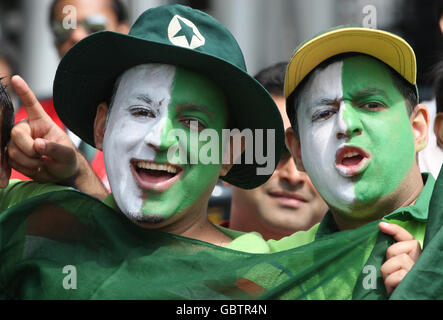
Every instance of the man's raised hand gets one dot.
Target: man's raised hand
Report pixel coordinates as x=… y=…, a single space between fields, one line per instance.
x=38 y=147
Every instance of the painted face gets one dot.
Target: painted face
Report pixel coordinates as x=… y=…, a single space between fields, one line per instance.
x=357 y=143
x=150 y=102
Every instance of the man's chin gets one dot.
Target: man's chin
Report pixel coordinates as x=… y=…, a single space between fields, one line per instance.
x=148 y=219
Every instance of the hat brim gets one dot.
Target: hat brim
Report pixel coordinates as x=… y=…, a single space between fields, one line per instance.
x=86 y=75
x=385 y=46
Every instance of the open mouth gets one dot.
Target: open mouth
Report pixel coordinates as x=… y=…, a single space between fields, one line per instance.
x=351 y=161
x=150 y=175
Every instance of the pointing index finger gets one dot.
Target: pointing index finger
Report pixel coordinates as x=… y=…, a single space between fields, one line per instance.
x=33 y=108
x=397 y=232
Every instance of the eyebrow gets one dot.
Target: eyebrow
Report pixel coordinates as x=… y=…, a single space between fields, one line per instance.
x=369 y=92
x=359 y=95
x=327 y=102
x=144 y=98
x=191 y=106
x=147 y=99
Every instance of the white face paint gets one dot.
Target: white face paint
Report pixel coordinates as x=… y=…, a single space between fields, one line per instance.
x=142 y=89
x=319 y=142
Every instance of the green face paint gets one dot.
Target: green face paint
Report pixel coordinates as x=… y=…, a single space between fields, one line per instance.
x=376 y=107
x=357 y=143
x=194 y=99
x=151 y=102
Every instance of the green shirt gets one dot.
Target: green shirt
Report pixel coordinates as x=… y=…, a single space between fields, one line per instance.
x=413 y=218
x=251 y=242
x=18 y=191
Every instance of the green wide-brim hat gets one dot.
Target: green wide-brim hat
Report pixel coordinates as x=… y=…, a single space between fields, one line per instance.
x=176 y=35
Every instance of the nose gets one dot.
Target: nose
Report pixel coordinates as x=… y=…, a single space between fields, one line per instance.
x=287 y=171
x=348 y=122
x=78 y=34
x=158 y=137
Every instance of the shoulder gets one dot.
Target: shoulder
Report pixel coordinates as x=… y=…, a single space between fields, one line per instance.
x=18 y=191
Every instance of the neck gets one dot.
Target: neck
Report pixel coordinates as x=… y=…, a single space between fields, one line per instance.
x=243 y=217
x=405 y=195
x=192 y=223
x=195 y=225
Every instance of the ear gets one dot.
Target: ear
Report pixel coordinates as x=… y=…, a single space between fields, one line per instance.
x=234 y=153
x=438 y=129
x=420 y=123
x=293 y=145
x=100 y=125
x=5 y=171
x=440 y=23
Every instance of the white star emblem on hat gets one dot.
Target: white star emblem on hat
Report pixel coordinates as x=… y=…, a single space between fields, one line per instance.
x=183 y=33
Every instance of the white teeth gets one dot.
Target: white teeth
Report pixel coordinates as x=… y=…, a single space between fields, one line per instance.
x=350 y=154
x=156 y=166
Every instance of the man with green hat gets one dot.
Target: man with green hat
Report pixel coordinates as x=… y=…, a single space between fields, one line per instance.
x=150 y=100
x=177 y=69
x=356 y=130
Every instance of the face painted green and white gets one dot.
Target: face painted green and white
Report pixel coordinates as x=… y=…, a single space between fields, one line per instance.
x=152 y=100
x=357 y=143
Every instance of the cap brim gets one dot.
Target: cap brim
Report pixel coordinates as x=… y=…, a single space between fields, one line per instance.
x=385 y=46
x=87 y=73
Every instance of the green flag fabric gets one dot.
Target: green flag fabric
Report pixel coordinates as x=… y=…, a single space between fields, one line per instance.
x=425 y=279
x=68 y=245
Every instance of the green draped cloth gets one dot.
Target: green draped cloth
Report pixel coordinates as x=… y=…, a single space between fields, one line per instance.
x=68 y=245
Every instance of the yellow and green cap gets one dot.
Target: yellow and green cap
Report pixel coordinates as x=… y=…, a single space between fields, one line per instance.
x=385 y=46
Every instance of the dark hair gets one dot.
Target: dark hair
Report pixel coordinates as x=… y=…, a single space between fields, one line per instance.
x=116 y=5
x=407 y=90
x=7 y=116
x=438 y=86
x=272 y=78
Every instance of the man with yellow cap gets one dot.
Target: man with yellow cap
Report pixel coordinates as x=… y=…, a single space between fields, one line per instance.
x=356 y=130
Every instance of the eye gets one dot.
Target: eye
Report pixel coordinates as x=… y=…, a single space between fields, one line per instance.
x=373 y=106
x=193 y=124
x=323 y=115
x=141 y=112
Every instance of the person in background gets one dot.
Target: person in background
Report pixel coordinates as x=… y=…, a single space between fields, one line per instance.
x=91 y=16
x=287 y=202
x=438 y=122
x=431 y=158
